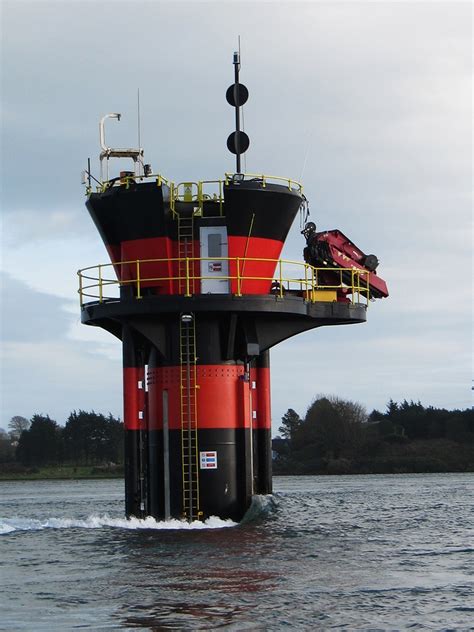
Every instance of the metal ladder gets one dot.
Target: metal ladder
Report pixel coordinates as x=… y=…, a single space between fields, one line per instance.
x=188 y=397
x=185 y=251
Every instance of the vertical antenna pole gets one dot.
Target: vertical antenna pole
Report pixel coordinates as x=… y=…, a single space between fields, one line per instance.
x=138 y=126
x=89 y=172
x=237 y=109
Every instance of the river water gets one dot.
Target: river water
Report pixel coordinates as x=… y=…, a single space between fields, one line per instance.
x=356 y=552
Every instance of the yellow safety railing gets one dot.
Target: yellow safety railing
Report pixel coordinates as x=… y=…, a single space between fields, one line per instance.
x=211 y=190
x=126 y=181
x=293 y=185
x=289 y=278
x=198 y=193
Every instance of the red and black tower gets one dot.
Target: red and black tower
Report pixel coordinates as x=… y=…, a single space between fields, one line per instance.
x=198 y=296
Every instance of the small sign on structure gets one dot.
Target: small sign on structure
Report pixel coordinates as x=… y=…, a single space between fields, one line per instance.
x=208 y=460
x=215 y=267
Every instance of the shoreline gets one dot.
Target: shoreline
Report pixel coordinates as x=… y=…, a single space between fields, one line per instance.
x=63 y=472
x=63 y=476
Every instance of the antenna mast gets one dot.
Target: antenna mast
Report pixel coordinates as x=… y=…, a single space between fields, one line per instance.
x=237 y=109
x=237 y=94
x=138 y=124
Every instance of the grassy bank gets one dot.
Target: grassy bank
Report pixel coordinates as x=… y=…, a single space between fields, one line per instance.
x=60 y=472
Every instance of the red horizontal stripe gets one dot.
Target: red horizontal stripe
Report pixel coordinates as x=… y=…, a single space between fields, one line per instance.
x=223 y=398
x=253 y=247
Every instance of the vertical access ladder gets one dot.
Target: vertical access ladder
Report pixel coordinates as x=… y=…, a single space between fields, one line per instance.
x=188 y=397
x=185 y=219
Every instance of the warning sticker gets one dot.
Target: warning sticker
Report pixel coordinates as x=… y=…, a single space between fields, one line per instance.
x=208 y=460
x=215 y=267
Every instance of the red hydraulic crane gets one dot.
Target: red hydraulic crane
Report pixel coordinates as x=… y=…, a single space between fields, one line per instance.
x=332 y=249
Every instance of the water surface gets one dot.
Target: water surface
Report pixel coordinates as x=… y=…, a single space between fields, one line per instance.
x=384 y=552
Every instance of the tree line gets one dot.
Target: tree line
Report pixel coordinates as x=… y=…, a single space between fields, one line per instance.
x=335 y=436
x=87 y=438
x=338 y=436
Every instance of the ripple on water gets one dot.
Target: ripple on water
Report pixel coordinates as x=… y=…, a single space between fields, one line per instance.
x=372 y=552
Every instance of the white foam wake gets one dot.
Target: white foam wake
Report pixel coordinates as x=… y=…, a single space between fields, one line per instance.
x=10 y=525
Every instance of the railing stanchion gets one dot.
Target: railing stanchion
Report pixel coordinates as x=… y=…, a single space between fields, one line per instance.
x=187 y=277
x=239 y=282
x=280 y=280
x=100 y=284
x=80 y=288
x=306 y=280
x=139 y=295
x=200 y=196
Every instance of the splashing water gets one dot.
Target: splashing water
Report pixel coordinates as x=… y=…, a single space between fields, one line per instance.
x=261 y=508
x=10 y=525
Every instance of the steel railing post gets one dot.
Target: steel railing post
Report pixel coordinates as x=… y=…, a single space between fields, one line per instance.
x=80 y=288
x=139 y=295
x=100 y=284
x=239 y=282
x=306 y=280
x=187 y=277
x=280 y=280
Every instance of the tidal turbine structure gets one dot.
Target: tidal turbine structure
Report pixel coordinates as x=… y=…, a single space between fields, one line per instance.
x=198 y=296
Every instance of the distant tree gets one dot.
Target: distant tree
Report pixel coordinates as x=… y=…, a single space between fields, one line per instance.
x=41 y=444
x=412 y=416
x=7 y=449
x=92 y=438
x=436 y=420
x=332 y=426
x=375 y=415
x=460 y=426
x=352 y=412
x=334 y=438
x=289 y=424
x=115 y=434
x=392 y=408
x=17 y=425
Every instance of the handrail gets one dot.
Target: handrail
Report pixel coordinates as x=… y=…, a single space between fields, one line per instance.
x=200 y=195
x=95 y=285
x=293 y=185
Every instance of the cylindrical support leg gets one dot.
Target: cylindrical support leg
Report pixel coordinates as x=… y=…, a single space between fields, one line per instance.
x=263 y=431
x=135 y=426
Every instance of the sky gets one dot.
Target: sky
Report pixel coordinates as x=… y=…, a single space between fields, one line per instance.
x=367 y=103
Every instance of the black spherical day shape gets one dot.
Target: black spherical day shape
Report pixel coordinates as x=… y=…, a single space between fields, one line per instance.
x=237 y=94
x=244 y=142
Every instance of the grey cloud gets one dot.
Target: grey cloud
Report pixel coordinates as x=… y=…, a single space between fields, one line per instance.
x=43 y=225
x=29 y=315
